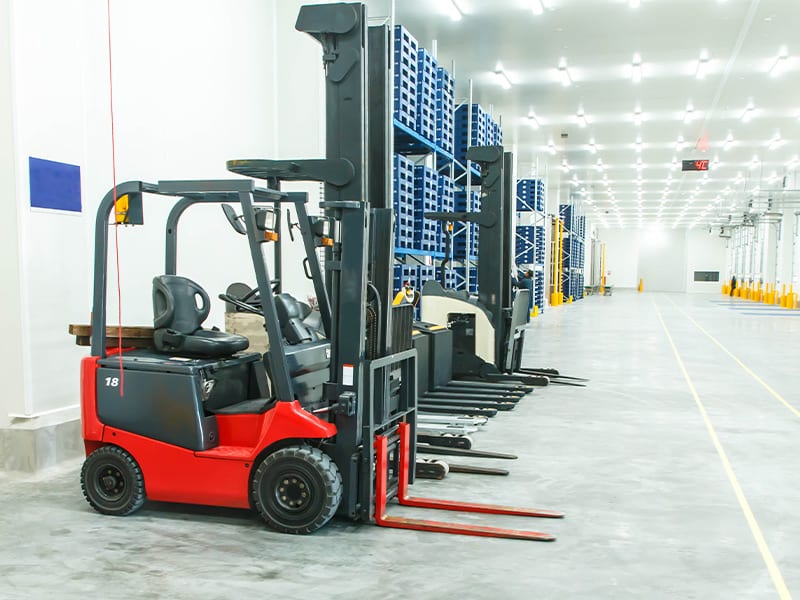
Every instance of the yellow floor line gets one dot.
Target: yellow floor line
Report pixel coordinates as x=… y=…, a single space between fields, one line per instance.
x=747 y=369
x=755 y=529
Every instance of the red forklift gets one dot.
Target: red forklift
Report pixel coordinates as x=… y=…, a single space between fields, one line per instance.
x=324 y=422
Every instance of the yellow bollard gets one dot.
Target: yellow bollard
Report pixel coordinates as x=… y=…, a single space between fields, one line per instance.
x=570 y=300
x=535 y=311
x=641 y=285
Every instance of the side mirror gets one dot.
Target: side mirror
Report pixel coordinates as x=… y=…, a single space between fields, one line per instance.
x=234 y=219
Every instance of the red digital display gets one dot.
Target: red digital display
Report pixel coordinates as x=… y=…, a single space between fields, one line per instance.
x=695 y=165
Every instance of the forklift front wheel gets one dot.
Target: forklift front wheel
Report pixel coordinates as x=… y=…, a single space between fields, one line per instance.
x=112 y=481
x=297 y=489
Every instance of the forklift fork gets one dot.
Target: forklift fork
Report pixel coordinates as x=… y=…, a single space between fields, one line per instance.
x=382 y=497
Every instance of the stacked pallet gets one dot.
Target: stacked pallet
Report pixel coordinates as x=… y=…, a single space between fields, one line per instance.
x=403 y=201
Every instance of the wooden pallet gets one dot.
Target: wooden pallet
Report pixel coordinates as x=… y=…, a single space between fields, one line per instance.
x=132 y=337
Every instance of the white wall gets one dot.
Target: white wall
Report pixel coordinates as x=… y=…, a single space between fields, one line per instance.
x=665 y=258
x=706 y=252
x=11 y=364
x=622 y=256
x=195 y=84
x=662 y=259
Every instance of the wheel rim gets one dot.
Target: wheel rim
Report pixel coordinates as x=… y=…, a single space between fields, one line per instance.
x=293 y=491
x=109 y=483
x=281 y=494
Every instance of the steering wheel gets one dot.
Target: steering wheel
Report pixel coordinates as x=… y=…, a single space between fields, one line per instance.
x=243 y=306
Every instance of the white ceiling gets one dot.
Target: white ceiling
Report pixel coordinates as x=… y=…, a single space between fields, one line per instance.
x=598 y=39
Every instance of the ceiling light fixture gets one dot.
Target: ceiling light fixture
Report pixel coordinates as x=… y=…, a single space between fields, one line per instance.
x=600 y=166
x=532 y=120
x=451 y=9
x=636 y=68
x=679 y=145
x=563 y=72
x=635 y=3
x=502 y=78
x=639 y=145
x=793 y=164
x=702 y=65
x=592 y=146
x=565 y=166
x=536 y=7
x=637 y=116
x=779 y=64
x=748 y=112
x=775 y=141
x=755 y=162
x=581 y=117
x=551 y=147
x=674 y=164
x=726 y=145
x=689 y=114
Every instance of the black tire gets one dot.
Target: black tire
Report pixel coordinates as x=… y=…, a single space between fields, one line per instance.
x=112 y=481
x=297 y=489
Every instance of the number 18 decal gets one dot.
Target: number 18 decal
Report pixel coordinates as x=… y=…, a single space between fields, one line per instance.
x=112 y=381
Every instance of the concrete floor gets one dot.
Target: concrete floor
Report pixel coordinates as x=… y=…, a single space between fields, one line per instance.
x=651 y=513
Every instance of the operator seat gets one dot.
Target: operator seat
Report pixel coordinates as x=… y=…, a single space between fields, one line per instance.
x=177 y=320
x=299 y=323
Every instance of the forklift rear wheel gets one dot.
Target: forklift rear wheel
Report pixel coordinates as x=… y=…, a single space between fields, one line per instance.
x=112 y=481
x=297 y=489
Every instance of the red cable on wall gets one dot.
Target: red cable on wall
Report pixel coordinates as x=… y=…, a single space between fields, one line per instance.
x=116 y=220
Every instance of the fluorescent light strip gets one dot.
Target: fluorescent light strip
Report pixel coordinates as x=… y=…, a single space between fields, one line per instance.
x=636 y=68
x=702 y=65
x=536 y=7
x=728 y=142
x=563 y=73
x=748 y=112
x=779 y=65
x=451 y=9
x=502 y=79
x=581 y=117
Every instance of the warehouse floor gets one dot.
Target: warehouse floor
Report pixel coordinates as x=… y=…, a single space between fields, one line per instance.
x=652 y=511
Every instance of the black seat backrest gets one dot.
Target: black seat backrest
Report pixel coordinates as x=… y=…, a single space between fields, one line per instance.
x=291 y=314
x=175 y=304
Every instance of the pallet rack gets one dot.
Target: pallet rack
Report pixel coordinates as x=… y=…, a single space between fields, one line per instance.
x=530 y=234
x=431 y=173
x=573 y=252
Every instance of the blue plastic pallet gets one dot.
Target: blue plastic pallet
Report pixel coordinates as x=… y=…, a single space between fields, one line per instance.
x=426 y=94
x=444 y=110
x=405 y=274
x=405 y=76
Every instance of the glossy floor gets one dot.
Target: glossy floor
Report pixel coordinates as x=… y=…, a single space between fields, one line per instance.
x=651 y=510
